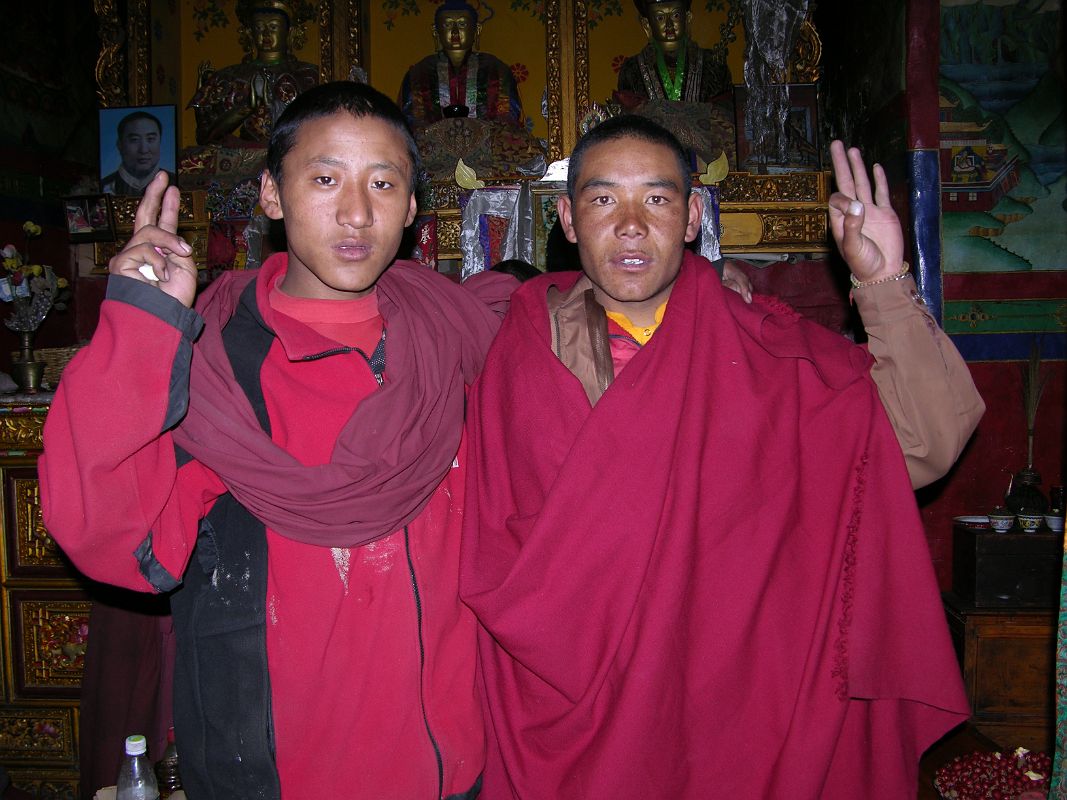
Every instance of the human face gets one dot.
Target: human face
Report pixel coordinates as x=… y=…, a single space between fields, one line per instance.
x=345 y=195
x=139 y=147
x=630 y=218
x=667 y=23
x=456 y=31
x=270 y=31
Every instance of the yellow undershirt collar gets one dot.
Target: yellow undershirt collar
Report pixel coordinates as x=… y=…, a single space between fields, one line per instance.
x=641 y=333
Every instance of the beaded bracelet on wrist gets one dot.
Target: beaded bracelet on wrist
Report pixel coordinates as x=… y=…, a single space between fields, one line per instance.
x=896 y=276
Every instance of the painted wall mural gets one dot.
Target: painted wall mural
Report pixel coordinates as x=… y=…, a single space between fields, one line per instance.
x=1003 y=164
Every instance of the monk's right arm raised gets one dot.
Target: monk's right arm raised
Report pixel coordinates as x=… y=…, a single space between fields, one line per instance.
x=115 y=494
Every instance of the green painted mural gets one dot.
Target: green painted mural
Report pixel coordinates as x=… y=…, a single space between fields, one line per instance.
x=1003 y=158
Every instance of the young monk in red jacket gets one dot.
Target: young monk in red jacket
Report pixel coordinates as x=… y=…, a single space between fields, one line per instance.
x=291 y=477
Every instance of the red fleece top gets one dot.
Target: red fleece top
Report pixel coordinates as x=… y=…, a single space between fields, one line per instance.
x=342 y=643
x=751 y=614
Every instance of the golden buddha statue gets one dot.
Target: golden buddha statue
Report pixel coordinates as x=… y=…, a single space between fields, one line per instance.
x=236 y=106
x=241 y=101
x=672 y=66
x=679 y=84
x=464 y=103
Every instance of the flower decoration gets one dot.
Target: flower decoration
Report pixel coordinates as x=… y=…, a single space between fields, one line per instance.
x=520 y=72
x=33 y=289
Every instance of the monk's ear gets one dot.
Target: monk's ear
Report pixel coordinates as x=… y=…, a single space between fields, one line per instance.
x=646 y=27
x=696 y=215
x=269 y=196
x=564 y=207
x=413 y=209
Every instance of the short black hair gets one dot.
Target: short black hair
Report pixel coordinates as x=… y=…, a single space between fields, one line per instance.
x=129 y=119
x=517 y=268
x=357 y=99
x=628 y=126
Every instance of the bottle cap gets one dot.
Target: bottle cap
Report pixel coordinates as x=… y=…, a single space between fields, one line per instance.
x=170 y=735
x=136 y=745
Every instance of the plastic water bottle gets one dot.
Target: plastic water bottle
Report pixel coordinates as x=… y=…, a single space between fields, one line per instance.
x=136 y=780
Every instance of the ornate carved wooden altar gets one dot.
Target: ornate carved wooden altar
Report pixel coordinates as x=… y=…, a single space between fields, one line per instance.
x=774 y=213
x=46 y=622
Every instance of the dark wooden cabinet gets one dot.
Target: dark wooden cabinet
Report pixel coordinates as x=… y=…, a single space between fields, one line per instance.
x=44 y=620
x=1008 y=660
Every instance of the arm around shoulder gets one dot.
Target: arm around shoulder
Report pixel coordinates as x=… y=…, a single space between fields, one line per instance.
x=923 y=381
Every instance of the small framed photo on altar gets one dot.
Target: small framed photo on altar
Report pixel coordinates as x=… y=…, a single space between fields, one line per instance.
x=136 y=142
x=89 y=218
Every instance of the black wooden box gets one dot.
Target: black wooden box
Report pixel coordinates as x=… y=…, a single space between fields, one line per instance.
x=1006 y=570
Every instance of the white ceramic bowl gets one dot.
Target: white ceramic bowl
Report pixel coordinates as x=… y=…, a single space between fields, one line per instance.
x=1055 y=523
x=1030 y=522
x=1002 y=523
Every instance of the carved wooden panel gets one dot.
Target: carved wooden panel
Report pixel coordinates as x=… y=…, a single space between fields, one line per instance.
x=35 y=734
x=50 y=629
x=20 y=427
x=794 y=187
x=193 y=223
x=43 y=784
x=449 y=224
x=30 y=550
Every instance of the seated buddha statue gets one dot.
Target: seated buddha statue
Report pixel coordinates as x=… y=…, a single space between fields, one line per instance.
x=464 y=103
x=236 y=106
x=680 y=84
x=672 y=66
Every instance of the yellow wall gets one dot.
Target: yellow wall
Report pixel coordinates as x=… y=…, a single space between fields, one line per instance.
x=514 y=36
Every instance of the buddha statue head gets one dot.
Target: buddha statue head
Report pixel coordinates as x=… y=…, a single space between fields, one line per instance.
x=665 y=22
x=456 y=28
x=271 y=29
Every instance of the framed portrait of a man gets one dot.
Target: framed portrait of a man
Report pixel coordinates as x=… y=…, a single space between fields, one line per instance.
x=136 y=143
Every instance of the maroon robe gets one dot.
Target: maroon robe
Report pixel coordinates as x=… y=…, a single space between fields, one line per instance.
x=713 y=584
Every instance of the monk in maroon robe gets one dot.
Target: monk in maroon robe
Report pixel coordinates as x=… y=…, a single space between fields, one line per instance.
x=690 y=535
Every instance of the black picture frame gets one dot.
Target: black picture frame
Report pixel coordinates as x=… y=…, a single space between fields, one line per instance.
x=90 y=217
x=127 y=135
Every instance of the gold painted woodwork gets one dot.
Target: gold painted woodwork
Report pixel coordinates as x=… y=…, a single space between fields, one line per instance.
x=20 y=431
x=45 y=784
x=774 y=213
x=44 y=623
x=575 y=111
x=791 y=187
x=807 y=54
x=558 y=76
x=449 y=224
x=110 y=63
x=35 y=734
x=34 y=547
x=54 y=635
x=193 y=226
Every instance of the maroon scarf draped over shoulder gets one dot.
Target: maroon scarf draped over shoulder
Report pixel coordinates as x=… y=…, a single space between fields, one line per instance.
x=715 y=583
x=397 y=446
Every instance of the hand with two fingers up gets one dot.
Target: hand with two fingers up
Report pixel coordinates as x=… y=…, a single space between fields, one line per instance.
x=155 y=249
x=864 y=225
